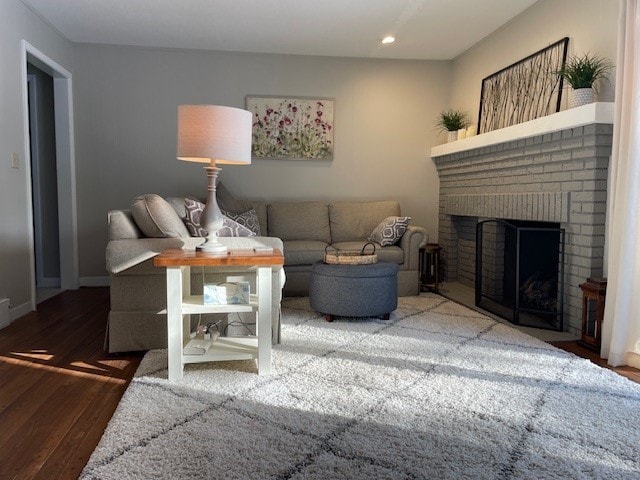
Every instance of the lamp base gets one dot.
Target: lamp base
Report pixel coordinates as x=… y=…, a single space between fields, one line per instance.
x=212 y=247
x=211 y=218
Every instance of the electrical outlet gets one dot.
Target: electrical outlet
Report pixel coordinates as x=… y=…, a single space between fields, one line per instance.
x=15 y=160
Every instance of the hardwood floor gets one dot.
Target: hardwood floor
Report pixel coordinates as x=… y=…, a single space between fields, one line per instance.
x=575 y=348
x=58 y=388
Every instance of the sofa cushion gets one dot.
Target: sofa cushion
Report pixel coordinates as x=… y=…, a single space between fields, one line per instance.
x=356 y=220
x=393 y=254
x=390 y=231
x=303 y=252
x=156 y=218
x=193 y=212
x=248 y=219
x=299 y=221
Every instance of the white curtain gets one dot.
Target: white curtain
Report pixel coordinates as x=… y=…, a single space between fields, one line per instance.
x=621 y=326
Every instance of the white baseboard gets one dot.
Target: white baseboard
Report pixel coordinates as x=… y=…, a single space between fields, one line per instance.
x=94 y=281
x=19 y=311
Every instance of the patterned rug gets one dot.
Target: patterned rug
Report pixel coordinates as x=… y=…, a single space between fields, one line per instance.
x=436 y=392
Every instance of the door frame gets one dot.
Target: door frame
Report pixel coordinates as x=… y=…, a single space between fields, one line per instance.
x=66 y=171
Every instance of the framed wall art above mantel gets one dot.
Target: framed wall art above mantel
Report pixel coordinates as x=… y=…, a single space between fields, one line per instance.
x=298 y=128
x=528 y=89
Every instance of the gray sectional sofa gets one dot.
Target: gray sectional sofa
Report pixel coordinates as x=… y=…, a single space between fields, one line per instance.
x=301 y=230
x=307 y=228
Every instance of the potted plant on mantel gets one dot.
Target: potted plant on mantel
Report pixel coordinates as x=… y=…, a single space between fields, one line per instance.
x=451 y=121
x=581 y=73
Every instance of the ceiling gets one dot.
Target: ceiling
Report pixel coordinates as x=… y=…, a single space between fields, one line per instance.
x=424 y=29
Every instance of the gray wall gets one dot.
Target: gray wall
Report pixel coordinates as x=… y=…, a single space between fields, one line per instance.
x=126 y=102
x=591 y=26
x=18 y=22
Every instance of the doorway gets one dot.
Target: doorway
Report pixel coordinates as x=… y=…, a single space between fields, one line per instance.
x=51 y=189
x=44 y=183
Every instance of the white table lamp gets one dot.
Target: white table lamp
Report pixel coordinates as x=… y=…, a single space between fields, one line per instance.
x=213 y=134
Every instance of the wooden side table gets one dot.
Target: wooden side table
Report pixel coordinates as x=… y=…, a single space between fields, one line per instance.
x=181 y=303
x=594 y=292
x=430 y=267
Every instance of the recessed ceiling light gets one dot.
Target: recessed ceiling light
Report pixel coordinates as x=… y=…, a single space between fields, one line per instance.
x=388 y=39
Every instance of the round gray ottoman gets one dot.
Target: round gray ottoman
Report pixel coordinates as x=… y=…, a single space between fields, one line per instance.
x=354 y=290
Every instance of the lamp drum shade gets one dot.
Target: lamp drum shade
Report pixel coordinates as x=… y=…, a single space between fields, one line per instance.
x=213 y=133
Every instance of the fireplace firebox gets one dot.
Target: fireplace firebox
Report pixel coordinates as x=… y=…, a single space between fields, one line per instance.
x=520 y=271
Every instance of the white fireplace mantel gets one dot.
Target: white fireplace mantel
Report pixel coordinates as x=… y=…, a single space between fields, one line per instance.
x=600 y=112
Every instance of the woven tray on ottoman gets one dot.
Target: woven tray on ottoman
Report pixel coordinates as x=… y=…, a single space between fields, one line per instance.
x=364 y=256
x=354 y=290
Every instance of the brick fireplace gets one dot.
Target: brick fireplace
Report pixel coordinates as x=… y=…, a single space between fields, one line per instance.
x=553 y=169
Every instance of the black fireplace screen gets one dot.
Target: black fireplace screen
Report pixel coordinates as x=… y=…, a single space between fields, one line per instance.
x=520 y=272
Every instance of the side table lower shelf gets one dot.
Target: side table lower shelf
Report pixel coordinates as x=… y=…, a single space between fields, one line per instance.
x=227 y=348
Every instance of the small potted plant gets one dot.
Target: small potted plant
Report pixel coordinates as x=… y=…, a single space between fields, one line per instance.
x=581 y=73
x=451 y=121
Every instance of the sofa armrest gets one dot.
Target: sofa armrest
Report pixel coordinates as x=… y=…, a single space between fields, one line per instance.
x=127 y=253
x=411 y=242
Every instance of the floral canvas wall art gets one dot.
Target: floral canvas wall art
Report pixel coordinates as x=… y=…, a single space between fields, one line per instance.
x=291 y=127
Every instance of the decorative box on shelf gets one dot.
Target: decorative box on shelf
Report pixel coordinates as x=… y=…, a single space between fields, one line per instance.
x=227 y=293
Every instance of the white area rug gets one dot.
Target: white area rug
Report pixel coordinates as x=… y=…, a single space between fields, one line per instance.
x=437 y=392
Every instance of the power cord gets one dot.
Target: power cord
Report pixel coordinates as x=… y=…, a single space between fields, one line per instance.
x=240 y=323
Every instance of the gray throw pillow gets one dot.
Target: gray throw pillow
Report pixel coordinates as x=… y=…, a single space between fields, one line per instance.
x=178 y=204
x=389 y=231
x=230 y=228
x=247 y=219
x=156 y=218
x=226 y=201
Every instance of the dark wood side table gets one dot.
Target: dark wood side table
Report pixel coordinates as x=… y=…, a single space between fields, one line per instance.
x=594 y=292
x=430 y=267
